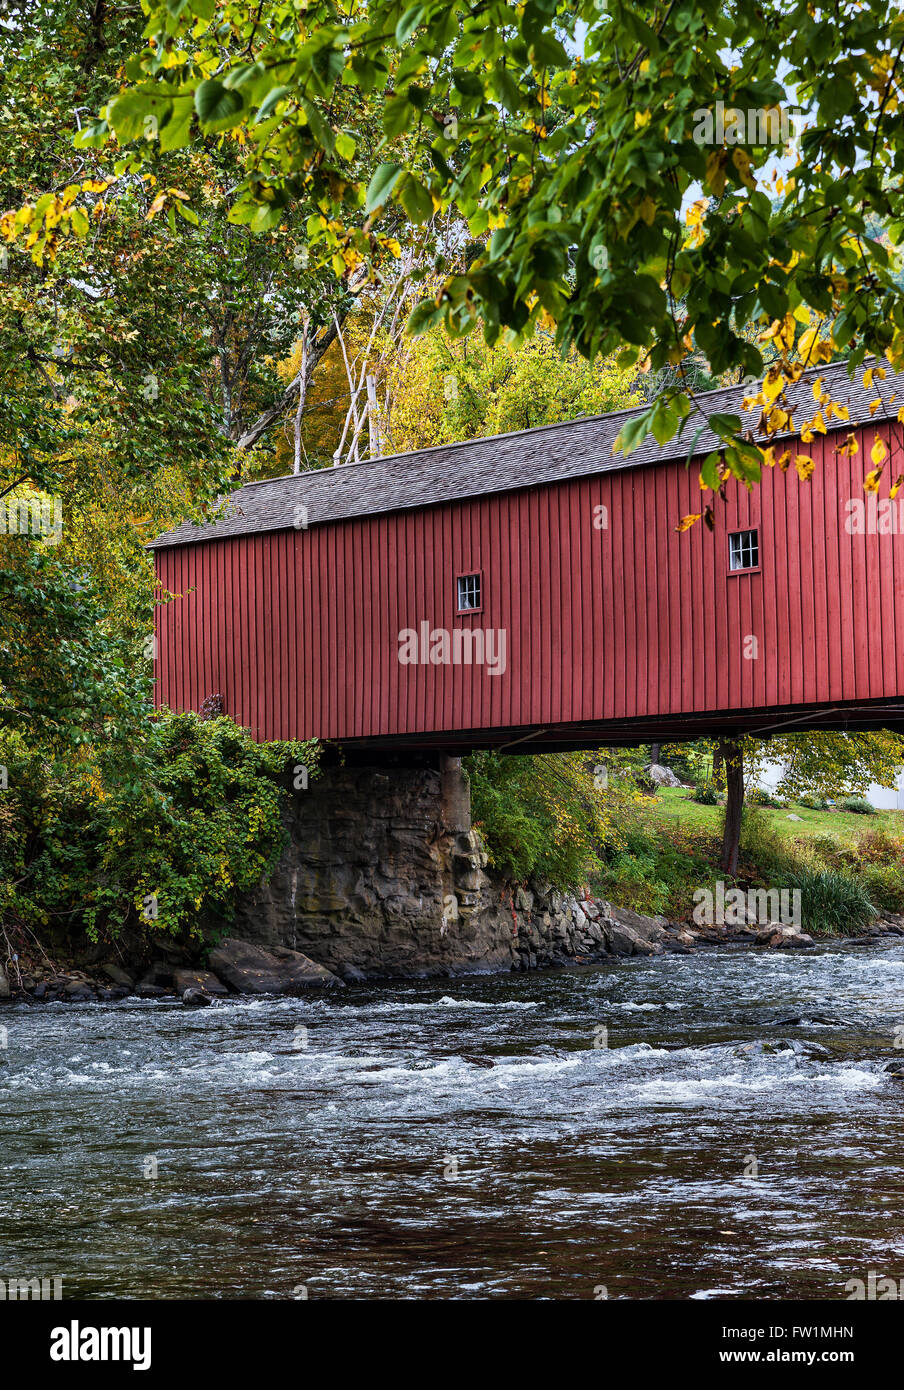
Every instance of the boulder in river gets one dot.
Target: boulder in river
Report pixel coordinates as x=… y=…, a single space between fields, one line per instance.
x=205 y=980
x=119 y=976
x=782 y=937
x=626 y=941
x=193 y=995
x=78 y=991
x=4 y=984
x=649 y=929
x=250 y=969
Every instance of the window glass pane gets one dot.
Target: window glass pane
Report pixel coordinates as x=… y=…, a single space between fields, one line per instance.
x=468 y=592
x=744 y=550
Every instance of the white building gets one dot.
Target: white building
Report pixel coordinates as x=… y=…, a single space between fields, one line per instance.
x=883 y=798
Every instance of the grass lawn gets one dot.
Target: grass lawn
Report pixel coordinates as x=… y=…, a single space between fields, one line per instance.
x=672 y=806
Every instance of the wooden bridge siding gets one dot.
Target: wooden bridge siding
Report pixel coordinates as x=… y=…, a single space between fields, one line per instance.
x=298 y=629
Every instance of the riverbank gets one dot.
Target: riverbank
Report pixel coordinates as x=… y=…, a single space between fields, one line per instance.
x=551 y=932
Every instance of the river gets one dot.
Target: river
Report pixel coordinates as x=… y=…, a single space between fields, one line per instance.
x=654 y=1128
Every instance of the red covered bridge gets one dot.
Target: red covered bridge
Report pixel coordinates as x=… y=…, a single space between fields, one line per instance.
x=531 y=589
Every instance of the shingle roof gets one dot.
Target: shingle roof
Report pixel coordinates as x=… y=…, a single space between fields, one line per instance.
x=503 y=462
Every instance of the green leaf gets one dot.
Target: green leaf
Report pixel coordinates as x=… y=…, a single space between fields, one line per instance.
x=345 y=145
x=416 y=200
x=422 y=317
x=135 y=115
x=725 y=425
x=710 y=469
x=175 y=126
x=270 y=102
x=217 y=106
x=632 y=434
x=408 y=23
x=381 y=185
x=547 y=52
x=398 y=114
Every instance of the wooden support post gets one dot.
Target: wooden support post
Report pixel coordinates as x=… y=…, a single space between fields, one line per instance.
x=733 y=760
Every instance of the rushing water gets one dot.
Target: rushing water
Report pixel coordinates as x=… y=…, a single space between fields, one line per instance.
x=469 y=1139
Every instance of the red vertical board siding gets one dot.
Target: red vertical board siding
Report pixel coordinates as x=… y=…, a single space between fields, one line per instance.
x=299 y=629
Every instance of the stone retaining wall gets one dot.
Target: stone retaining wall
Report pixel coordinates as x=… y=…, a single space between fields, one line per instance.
x=383 y=876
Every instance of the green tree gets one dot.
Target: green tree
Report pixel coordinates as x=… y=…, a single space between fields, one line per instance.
x=832 y=764
x=585 y=142
x=444 y=389
x=822 y=762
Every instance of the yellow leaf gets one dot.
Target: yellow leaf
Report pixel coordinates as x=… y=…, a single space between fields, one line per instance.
x=878 y=452
x=896 y=486
x=687 y=522
x=741 y=160
x=804 y=465
x=782 y=330
x=871 y=481
x=867 y=378
x=715 y=172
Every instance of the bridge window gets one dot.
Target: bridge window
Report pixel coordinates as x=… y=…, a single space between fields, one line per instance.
x=744 y=550
x=469 y=593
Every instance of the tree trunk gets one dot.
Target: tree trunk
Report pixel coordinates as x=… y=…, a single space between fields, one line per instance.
x=734 y=785
x=717 y=764
x=655 y=752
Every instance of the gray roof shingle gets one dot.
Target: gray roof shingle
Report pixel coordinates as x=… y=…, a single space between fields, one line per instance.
x=503 y=462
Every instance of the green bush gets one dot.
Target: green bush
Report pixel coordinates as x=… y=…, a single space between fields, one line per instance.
x=814 y=802
x=859 y=805
x=885 y=885
x=757 y=796
x=763 y=850
x=656 y=870
x=706 y=793
x=825 y=850
x=545 y=816
x=199 y=820
x=832 y=900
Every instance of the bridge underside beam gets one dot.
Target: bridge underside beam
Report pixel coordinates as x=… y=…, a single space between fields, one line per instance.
x=672 y=728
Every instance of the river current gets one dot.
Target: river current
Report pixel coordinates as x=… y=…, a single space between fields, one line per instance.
x=716 y=1125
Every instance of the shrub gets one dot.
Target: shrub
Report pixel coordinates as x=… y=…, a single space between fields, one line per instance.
x=859 y=805
x=706 y=793
x=199 y=819
x=656 y=870
x=545 y=816
x=879 y=847
x=762 y=846
x=758 y=796
x=832 y=900
x=814 y=802
x=885 y=885
x=635 y=881
x=825 y=850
